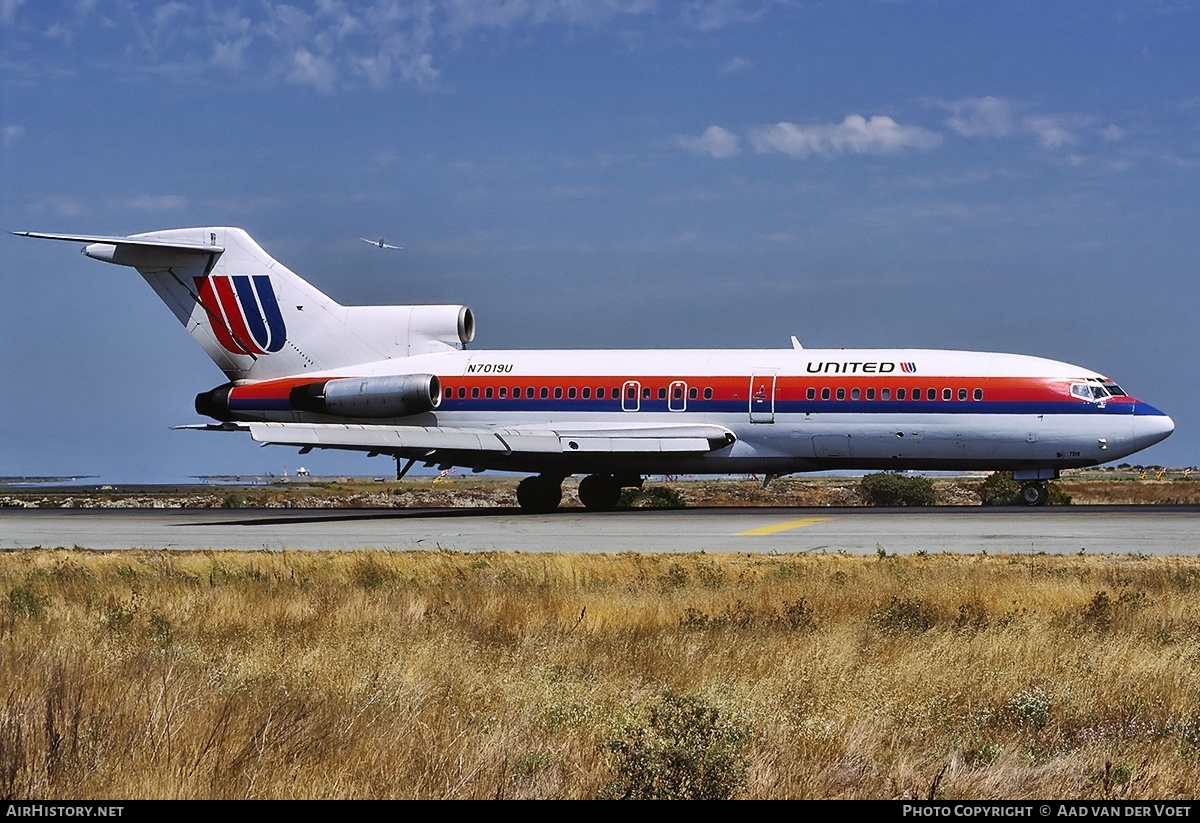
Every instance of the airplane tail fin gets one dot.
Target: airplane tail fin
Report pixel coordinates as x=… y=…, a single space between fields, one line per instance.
x=257 y=319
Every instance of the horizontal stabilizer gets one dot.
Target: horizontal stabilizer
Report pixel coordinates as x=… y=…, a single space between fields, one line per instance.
x=135 y=242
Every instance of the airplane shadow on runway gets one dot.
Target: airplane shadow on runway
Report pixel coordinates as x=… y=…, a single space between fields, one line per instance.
x=270 y=517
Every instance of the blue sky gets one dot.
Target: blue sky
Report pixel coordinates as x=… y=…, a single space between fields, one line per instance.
x=1003 y=176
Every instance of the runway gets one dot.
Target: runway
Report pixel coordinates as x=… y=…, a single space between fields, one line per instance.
x=1149 y=530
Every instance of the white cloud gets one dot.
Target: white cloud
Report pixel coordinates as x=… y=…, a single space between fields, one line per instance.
x=716 y=142
x=981 y=117
x=993 y=117
x=158 y=202
x=10 y=134
x=8 y=10
x=332 y=43
x=1112 y=133
x=735 y=65
x=718 y=14
x=1054 y=131
x=854 y=135
x=314 y=70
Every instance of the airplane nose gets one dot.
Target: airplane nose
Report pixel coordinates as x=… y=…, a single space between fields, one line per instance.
x=1150 y=426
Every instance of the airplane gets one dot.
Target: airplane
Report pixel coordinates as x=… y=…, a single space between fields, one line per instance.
x=307 y=372
x=379 y=243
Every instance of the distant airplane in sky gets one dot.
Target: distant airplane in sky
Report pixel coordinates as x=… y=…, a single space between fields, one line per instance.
x=307 y=372
x=379 y=243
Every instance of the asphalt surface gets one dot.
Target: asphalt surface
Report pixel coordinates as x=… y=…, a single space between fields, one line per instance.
x=1149 y=530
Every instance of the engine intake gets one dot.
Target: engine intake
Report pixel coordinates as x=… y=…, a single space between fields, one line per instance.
x=373 y=397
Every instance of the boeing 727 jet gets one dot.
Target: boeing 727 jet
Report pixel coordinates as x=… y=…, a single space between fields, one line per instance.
x=304 y=371
x=379 y=244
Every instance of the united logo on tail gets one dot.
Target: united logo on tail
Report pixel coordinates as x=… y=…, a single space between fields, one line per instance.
x=244 y=312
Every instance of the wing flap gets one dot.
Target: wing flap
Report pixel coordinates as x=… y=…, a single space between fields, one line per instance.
x=683 y=439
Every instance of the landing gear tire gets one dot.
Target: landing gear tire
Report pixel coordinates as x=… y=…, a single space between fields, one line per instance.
x=539 y=494
x=1033 y=494
x=600 y=492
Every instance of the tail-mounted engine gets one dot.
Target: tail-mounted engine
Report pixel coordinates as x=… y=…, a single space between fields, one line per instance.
x=351 y=397
x=374 y=397
x=404 y=331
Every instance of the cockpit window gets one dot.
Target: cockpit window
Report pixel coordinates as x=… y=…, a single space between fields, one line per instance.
x=1094 y=390
x=1114 y=389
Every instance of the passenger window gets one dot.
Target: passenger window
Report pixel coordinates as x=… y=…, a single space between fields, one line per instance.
x=899 y=394
x=979 y=394
x=886 y=394
x=558 y=392
x=516 y=392
x=462 y=392
x=962 y=394
x=693 y=393
x=708 y=394
x=825 y=393
x=811 y=394
x=854 y=394
x=646 y=393
x=449 y=392
x=947 y=394
x=677 y=393
x=600 y=393
x=488 y=392
x=587 y=393
x=545 y=392
x=571 y=393
x=841 y=394
x=662 y=393
x=870 y=394
x=474 y=392
x=503 y=392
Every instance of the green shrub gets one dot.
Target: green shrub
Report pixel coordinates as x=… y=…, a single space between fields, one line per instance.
x=1000 y=489
x=907 y=615
x=896 y=490
x=651 y=497
x=688 y=751
x=26 y=601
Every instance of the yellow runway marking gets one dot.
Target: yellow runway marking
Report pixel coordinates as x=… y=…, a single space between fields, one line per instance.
x=782 y=527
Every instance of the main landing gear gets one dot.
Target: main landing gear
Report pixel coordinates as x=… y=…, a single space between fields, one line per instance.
x=598 y=492
x=1034 y=493
x=540 y=493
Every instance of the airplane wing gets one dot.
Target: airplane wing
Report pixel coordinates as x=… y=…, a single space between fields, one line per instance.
x=434 y=443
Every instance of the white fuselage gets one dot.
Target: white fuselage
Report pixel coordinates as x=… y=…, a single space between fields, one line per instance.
x=789 y=409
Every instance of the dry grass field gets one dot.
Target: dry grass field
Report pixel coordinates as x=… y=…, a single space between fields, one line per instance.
x=439 y=675
x=1083 y=488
